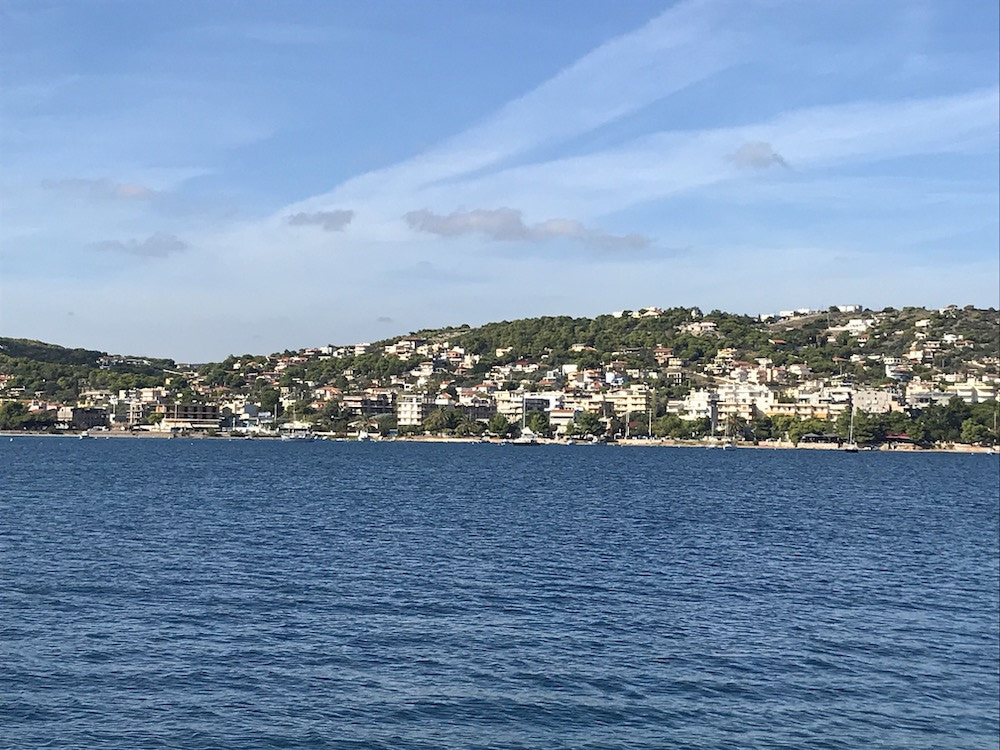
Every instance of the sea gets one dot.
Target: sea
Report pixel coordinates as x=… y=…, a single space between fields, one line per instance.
x=262 y=594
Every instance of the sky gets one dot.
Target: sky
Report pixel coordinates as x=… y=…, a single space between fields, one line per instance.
x=192 y=179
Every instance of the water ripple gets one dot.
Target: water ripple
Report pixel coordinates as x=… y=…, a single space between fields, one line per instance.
x=207 y=594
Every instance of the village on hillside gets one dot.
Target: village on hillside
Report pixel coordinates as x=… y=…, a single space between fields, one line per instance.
x=900 y=378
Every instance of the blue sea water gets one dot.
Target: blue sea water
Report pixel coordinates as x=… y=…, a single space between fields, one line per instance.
x=248 y=594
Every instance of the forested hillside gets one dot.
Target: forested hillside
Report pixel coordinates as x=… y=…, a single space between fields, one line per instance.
x=59 y=373
x=824 y=341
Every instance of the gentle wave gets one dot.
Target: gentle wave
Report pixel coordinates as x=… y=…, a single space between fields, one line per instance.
x=213 y=594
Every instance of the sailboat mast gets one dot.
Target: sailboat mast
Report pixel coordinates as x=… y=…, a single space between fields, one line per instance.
x=652 y=405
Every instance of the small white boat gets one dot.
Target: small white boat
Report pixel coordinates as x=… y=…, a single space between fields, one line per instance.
x=524 y=441
x=298 y=436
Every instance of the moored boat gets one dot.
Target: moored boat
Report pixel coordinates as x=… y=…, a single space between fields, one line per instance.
x=850 y=446
x=298 y=436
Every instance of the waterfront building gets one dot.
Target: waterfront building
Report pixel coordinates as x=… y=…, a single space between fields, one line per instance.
x=701 y=404
x=82 y=418
x=635 y=398
x=876 y=401
x=412 y=409
x=371 y=402
x=189 y=416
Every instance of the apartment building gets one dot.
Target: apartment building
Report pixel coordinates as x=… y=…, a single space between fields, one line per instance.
x=412 y=409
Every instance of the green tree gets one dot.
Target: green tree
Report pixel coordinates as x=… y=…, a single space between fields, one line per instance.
x=538 y=423
x=442 y=420
x=670 y=425
x=333 y=417
x=800 y=427
x=762 y=428
x=698 y=427
x=436 y=421
x=974 y=433
x=386 y=423
x=469 y=426
x=588 y=360
x=868 y=428
x=267 y=399
x=499 y=425
x=638 y=424
x=588 y=423
x=13 y=415
x=781 y=425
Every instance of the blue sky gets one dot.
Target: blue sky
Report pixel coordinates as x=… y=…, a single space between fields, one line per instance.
x=192 y=179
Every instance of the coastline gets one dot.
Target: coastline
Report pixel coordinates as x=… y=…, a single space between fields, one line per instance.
x=630 y=443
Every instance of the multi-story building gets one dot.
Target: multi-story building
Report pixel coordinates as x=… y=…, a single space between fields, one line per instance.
x=743 y=400
x=799 y=410
x=136 y=412
x=974 y=391
x=510 y=404
x=477 y=407
x=370 y=403
x=189 y=416
x=586 y=401
x=82 y=418
x=701 y=404
x=875 y=401
x=412 y=409
x=560 y=419
x=632 y=399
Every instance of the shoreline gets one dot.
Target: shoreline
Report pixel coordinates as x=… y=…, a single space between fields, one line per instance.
x=632 y=443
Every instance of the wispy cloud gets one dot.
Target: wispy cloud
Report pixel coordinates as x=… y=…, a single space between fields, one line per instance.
x=425 y=272
x=506 y=161
x=756 y=134
x=101 y=189
x=507 y=225
x=682 y=46
x=274 y=33
x=288 y=33
x=672 y=163
x=330 y=221
x=159 y=245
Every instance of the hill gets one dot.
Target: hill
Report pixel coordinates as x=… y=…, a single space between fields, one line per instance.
x=35 y=368
x=39 y=351
x=846 y=342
